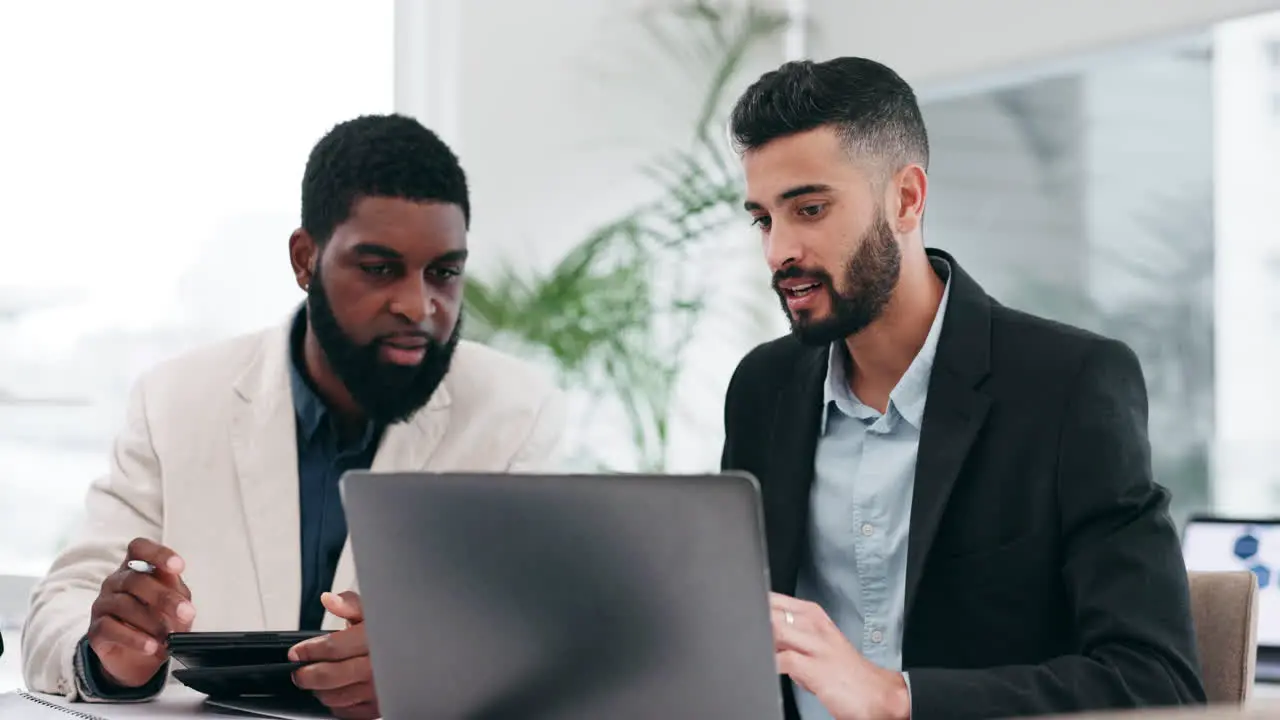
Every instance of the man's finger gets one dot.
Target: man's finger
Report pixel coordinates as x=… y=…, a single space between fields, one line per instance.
x=340 y=645
x=159 y=556
x=778 y=601
x=106 y=633
x=348 y=696
x=334 y=675
x=345 y=605
x=130 y=610
x=797 y=666
x=794 y=633
x=161 y=598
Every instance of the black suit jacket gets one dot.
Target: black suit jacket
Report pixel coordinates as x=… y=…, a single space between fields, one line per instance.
x=1044 y=574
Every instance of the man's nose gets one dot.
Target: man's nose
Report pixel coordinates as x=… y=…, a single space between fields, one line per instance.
x=414 y=300
x=781 y=249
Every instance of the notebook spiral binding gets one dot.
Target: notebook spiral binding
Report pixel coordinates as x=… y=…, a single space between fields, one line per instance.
x=59 y=708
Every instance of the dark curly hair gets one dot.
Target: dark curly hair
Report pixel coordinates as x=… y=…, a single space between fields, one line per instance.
x=377 y=156
x=873 y=109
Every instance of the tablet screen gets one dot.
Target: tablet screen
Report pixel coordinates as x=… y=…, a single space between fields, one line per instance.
x=1209 y=545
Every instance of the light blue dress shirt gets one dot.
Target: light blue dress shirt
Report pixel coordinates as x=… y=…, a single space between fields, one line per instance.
x=860 y=506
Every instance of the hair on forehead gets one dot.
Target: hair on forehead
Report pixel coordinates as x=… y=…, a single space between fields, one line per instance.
x=873 y=111
x=377 y=156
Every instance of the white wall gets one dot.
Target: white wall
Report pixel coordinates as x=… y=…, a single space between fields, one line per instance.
x=946 y=45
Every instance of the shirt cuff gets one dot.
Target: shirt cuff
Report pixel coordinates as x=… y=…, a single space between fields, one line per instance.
x=906 y=677
x=93 y=685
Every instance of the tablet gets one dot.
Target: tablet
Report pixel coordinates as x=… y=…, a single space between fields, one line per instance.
x=274 y=680
x=231 y=649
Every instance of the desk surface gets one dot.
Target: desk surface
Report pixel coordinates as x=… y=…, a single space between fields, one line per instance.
x=176 y=702
x=179 y=701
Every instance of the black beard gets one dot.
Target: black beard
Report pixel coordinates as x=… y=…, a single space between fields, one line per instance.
x=870 y=275
x=387 y=393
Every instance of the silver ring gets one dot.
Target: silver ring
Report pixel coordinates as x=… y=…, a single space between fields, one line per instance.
x=791 y=619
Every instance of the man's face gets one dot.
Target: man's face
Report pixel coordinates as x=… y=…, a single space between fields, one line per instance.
x=833 y=254
x=384 y=301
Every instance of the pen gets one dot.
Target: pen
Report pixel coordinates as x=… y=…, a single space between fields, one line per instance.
x=141 y=566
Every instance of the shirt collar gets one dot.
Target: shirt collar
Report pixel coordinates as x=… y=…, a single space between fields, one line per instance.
x=907 y=397
x=310 y=409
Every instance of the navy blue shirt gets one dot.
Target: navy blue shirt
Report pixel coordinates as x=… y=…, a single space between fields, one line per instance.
x=324 y=454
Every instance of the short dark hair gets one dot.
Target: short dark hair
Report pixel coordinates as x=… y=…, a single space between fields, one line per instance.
x=377 y=156
x=874 y=110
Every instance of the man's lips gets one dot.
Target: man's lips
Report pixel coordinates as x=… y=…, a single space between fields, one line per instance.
x=405 y=343
x=403 y=350
x=798 y=287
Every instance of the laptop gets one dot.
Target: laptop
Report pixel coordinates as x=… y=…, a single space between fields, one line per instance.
x=1217 y=543
x=564 y=596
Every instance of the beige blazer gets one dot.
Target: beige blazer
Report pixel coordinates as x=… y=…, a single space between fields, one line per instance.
x=207 y=464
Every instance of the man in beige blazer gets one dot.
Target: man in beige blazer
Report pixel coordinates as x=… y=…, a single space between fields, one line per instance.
x=224 y=477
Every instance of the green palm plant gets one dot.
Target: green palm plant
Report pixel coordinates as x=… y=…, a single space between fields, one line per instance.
x=614 y=315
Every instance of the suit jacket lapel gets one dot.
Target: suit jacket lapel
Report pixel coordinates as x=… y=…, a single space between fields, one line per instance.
x=405 y=446
x=795 y=441
x=954 y=413
x=264 y=443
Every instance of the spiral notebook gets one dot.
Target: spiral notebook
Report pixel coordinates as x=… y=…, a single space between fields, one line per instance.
x=28 y=706
x=24 y=706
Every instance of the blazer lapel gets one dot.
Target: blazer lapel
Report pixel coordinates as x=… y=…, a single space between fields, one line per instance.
x=264 y=442
x=795 y=441
x=954 y=413
x=405 y=447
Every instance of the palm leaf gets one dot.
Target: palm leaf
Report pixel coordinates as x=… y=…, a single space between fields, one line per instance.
x=615 y=314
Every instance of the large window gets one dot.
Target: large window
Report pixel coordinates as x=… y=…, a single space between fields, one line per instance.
x=152 y=159
x=1134 y=196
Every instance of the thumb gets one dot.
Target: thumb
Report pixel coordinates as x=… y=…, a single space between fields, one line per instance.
x=345 y=605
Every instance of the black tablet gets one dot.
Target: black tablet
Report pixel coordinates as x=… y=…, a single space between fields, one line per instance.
x=274 y=680
x=235 y=649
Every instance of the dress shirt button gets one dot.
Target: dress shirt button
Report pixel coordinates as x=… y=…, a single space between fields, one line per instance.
x=868 y=530
x=877 y=636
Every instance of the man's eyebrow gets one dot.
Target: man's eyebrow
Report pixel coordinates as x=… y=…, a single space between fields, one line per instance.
x=381 y=251
x=453 y=256
x=794 y=192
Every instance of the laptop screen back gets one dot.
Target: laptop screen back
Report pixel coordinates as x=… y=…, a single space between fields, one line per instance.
x=1214 y=544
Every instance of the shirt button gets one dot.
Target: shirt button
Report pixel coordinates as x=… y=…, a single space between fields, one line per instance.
x=877 y=636
x=868 y=530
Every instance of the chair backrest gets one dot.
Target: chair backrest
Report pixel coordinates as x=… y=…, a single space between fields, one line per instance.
x=1224 y=606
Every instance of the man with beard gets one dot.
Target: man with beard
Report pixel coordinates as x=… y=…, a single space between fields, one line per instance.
x=958 y=498
x=225 y=478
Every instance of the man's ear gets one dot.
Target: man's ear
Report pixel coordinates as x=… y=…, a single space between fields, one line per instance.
x=304 y=255
x=910 y=186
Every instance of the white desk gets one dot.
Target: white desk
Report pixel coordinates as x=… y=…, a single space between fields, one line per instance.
x=10 y=669
x=179 y=701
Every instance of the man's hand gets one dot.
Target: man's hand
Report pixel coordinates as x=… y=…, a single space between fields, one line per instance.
x=342 y=677
x=813 y=651
x=135 y=611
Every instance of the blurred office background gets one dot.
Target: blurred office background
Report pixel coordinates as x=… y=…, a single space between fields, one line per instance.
x=1107 y=163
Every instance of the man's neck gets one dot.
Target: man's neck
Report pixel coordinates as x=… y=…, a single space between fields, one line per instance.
x=883 y=351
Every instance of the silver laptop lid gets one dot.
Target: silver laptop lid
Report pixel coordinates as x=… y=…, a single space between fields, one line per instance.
x=565 y=596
